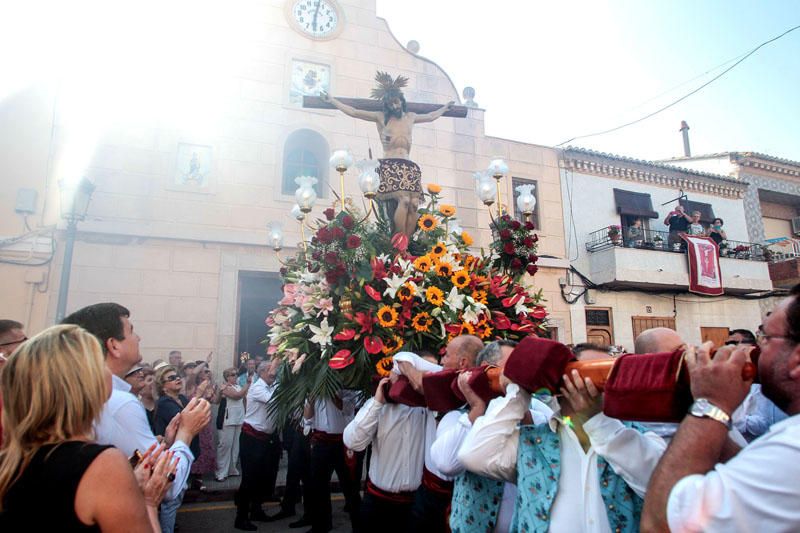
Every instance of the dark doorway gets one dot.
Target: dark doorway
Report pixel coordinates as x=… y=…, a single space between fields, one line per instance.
x=259 y=293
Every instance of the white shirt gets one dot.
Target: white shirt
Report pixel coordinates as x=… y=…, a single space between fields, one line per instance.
x=234 y=409
x=123 y=424
x=397 y=434
x=327 y=417
x=756 y=414
x=490 y=449
x=255 y=415
x=757 y=490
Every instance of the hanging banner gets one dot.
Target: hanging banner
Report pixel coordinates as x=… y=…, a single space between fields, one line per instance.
x=705 y=276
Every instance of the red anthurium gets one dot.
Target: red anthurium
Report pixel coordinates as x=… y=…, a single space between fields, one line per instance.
x=365 y=320
x=378 y=268
x=373 y=345
x=500 y=320
x=453 y=329
x=511 y=301
x=342 y=359
x=375 y=295
x=345 y=335
x=497 y=287
x=539 y=312
x=400 y=242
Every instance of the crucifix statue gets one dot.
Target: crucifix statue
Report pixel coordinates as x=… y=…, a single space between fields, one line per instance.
x=401 y=188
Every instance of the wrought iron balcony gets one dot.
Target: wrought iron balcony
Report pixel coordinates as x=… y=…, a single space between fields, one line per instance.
x=648 y=239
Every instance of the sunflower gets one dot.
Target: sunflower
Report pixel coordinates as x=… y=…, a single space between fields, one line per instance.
x=387 y=317
x=447 y=210
x=422 y=322
x=392 y=345
x=384 y=366
x=427 y=223
x=434 y=188
x=434 y=295
x=469 y=261
x=423 y=263
x=460 y=279
x=484 y=332
x=480 y=296
x=406 y=292
x=438 y=250
x=467 y=238
x=444 y=269
x=467 y=329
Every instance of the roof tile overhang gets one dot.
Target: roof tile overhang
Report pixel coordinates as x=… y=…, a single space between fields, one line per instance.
x=649 y=172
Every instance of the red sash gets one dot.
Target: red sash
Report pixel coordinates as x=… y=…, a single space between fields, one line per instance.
x=256 y=434
x=401 y=498
x=327 y=438
x=434 y=483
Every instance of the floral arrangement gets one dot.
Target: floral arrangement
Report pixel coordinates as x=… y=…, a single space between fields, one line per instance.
x=614 y=230
x=357 y=296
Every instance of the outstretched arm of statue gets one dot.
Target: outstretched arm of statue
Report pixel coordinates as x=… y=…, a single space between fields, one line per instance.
x=433 y=115
x=373 y=116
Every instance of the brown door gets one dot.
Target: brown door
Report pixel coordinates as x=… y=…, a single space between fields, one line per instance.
x=716 y=335
x=599 y=326
x=641 y=323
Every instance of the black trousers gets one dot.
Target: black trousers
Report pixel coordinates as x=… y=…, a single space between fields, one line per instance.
x=298 y=470
x=327 y=457
x=382 y=516
x=429 y=512
x=259 y=460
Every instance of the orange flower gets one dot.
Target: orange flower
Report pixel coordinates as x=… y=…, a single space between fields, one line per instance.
x=467 y=238
x=384 y=366
x=480 y=296
x=434 y=188
x=460 y=279
x=387 y=317
x=390 y=346
x=427 y=223
x=469 y=262
x=406 y=292
x=467 y=329
x=422 y=322
x=423 y=263
x=434 y=295
x=444 y=269
x=484 y=332
x=447 y=210
x=438 y=250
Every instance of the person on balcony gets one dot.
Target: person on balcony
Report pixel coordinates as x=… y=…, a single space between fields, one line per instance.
x=715 y=231
x=634 y=234
x=678 y=222
x=696 y=228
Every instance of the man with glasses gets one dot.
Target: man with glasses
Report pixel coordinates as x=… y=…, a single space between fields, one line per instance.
x=11 y=336
x=706 y=483
x=740 y=336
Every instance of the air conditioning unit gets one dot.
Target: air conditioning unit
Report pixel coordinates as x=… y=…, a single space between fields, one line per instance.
x=796 y=225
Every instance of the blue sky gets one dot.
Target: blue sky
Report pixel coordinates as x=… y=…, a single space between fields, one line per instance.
x=546 y=72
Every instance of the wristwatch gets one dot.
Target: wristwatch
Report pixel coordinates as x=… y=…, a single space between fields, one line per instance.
x=702 y=408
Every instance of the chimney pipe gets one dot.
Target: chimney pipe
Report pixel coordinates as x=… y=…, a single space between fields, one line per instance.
x=687 y=152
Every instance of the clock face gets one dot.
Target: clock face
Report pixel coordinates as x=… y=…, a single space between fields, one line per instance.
x=316 y=18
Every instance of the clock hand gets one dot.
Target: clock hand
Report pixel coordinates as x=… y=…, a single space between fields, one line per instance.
x=316 y=12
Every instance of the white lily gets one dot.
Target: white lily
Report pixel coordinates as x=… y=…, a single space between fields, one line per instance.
x=384 y=258
x=454 y=300
x=405 y=265
x=472 y=312
x=322 y=334
x=309 y=277
x=521 y=307
x=394 y=283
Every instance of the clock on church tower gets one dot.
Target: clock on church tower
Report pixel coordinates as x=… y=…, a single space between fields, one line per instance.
x=316 y=19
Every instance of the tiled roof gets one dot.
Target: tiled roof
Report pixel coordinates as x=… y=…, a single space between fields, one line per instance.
x=757 y=155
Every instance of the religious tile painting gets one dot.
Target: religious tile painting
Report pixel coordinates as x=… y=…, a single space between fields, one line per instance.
x=308 y=79
x=193 y=168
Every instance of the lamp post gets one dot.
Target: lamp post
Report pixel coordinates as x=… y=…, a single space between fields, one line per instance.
x=526 y=201
x=486 y=189
x=498 y=169
x=369 y=181
x=341 y=160
x=75 y=197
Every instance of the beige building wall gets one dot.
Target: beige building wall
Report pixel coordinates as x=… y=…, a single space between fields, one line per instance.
x=173 y=253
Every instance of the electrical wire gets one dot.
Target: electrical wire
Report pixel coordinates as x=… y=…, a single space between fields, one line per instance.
x=687 y=95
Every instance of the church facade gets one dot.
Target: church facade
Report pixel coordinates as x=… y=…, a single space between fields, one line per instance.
x=177 y=225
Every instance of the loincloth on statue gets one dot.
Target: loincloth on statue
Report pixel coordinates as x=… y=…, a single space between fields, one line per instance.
x=399 y=178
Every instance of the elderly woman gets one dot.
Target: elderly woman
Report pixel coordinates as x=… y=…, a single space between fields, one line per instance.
x=52 y=476
x=170 y=402
x=715 y=231
x=228 y=446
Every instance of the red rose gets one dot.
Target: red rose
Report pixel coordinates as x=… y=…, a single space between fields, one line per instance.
x=330 y=213
x=332 y=277
x=505 y=234
x=529 y=226
x=284 y=271
x=348 y=222
x=535 y=238
x=331 y=257
x=337 y=233
x=509 y=248
x=324 y=236
x=516 y=264
x=515 y=225
x=528 y=242
x=533 y=258
x=532 y=269
x=317 y=255
x=353 y=241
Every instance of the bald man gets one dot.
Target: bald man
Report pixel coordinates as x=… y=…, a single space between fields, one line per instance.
x=657 y=340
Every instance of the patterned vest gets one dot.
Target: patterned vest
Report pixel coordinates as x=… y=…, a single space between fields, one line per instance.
x=475 y=504
x=538 y=471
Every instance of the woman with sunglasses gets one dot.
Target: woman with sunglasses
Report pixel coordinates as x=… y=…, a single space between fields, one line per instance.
x=170 y=402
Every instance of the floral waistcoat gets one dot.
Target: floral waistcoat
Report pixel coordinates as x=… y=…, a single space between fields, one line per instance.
x=475 y=504
x=538 y=471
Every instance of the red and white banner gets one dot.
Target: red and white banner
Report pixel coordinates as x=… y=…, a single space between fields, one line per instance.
x=705 y=276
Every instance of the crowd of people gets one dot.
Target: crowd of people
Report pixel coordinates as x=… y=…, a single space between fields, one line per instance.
x=82 y=413
x=678 y=221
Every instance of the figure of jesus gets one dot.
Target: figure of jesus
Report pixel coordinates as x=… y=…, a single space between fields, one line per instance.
x=401 y=186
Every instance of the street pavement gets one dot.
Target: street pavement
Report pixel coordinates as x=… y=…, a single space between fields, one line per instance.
x=217 y=517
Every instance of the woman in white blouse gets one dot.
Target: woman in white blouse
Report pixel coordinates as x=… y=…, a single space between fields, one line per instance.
x=228 y=446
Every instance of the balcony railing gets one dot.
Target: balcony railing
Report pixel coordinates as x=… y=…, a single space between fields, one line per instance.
x=659 y=241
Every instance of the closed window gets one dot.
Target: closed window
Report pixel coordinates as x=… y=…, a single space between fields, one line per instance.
x=305 y=154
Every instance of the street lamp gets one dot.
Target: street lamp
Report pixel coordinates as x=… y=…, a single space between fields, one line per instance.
x=75 y=197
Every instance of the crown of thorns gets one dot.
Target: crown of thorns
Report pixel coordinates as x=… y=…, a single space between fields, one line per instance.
x=387 y=86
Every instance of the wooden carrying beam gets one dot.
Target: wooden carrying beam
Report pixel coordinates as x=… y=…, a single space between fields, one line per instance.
x=368 y=104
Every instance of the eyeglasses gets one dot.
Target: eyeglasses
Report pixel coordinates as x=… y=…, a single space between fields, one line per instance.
x=23 y=339
x=173 y=377
x=761 y=336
